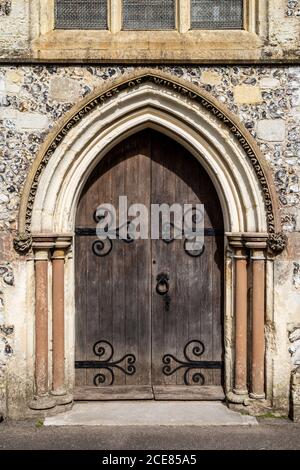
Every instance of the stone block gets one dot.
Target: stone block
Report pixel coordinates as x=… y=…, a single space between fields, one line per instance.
x=31 y=121
x=271 y=130
x=210 y=78
x=247 y=94
x=12 y=76
x=64 y=89
x=269 y=82
x=25 y=120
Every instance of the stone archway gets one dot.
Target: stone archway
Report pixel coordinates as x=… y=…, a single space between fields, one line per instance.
x=232 y=159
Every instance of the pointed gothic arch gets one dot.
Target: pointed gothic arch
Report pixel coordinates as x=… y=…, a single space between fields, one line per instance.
x=236 y=167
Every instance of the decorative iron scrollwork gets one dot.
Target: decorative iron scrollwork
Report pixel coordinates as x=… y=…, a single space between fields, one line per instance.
x=104 y=350
x=194 y=253
x=193 y=348
x=104 y=245
x=189 y=234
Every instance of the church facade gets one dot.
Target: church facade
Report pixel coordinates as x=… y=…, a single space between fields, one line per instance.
x=189 y=101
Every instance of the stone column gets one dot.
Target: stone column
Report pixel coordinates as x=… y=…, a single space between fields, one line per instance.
x=241 y=322
x=258 y=245
x=42 y=400
x=241 y=316
x=58 y=321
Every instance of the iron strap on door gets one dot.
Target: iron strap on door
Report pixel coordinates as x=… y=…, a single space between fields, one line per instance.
x=104 y=349
x=197 y=348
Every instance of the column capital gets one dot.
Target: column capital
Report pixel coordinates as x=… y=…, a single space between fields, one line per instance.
x=256 y=241
x=61 y=245
x=235 y=240
x=63 y=241
x=250 y=240
x=41 y=247
x=45 y=242
x=42 y=243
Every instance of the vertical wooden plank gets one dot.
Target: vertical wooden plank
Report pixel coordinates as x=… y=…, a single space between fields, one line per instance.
x=80 y=287
x=80 y=316
x=218 y=301
x=92 y=283
x=164 y=255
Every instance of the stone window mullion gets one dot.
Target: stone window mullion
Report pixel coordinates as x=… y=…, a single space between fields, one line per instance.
x=183 y=15
x=115 y=15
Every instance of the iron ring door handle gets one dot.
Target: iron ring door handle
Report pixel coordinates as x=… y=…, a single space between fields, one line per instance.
x=162 y=286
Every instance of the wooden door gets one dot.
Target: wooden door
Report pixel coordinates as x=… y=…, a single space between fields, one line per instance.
x=113 y=283
x=187 y=335
x=131 y=341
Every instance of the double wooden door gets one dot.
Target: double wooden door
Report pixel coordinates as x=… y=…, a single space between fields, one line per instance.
x=148 y=312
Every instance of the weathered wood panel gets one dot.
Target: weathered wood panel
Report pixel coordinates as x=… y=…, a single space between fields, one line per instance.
x=116 y=297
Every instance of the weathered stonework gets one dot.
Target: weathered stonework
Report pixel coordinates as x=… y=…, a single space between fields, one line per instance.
x=30 y=111
x=294 y=350
x=270 y=34
x=5 y=7
x=6 y=334
x=293 y=8
x=295 y=395
x=263 y=94
x=296 y=277
x=277 y=242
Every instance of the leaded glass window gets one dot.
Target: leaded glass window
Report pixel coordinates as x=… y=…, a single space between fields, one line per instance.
x=81 y=14
x=149 y=14
x=217 y=14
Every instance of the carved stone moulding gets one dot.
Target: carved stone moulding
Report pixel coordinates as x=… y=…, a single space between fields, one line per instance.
x=277 y=242
x=23 y=241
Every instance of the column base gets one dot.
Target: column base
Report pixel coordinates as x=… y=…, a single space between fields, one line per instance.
x=42 y=403
x=232 y=397
x=62 y=398
x=240 y=392
x=257 y=396
x=59 y=392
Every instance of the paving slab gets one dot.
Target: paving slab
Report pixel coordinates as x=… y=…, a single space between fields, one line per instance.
x=150 y=413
